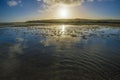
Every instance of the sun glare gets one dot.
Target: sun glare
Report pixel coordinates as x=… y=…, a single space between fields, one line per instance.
x=63 y=12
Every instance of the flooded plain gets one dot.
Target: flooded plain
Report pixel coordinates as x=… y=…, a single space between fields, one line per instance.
x=60 y=52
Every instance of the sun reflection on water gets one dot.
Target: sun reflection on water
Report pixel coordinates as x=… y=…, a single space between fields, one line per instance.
x=62 y=29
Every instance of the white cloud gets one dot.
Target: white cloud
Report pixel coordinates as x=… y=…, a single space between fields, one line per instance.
x=14 y=2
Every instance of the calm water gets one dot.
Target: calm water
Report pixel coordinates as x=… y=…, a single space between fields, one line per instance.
x=60 y=52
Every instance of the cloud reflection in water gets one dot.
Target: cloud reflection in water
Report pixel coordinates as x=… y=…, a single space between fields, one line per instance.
x=60 y=52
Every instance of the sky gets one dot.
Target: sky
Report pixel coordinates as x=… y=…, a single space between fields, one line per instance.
x=25 y=10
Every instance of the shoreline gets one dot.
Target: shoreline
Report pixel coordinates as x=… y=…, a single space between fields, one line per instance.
x=45 y=24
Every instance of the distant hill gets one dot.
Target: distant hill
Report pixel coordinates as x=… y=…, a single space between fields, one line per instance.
x=73 y=21
x=63 y=21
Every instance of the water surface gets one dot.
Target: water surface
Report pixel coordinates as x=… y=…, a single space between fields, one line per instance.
x=60 y=52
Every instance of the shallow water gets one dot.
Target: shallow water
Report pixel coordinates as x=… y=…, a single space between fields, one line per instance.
x=60 y=52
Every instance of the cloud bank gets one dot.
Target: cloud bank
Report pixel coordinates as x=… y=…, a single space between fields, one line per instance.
x=67 y=2
x=50 y=5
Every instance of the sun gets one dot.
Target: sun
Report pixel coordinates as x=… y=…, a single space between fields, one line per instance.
x=63 y=12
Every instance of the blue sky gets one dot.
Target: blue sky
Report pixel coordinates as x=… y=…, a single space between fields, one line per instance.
x=23 y=10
